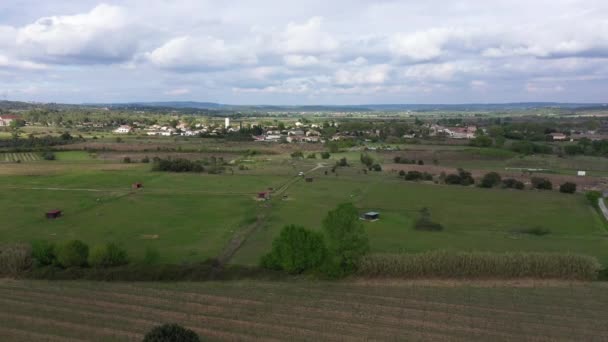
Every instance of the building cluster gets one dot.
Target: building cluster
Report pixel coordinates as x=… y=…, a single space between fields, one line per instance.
x=182 y=129
x=300 y=132
x=467 y=132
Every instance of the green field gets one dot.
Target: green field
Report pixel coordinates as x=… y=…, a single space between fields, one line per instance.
x=191 y=217
x=306 y=311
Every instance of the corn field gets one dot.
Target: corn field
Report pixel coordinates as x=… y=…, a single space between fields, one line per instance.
x=480 y=265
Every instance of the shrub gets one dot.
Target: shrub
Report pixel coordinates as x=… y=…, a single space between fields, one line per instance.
x=541 y=183
x=417 y=175
x=296 y=250
x=490 y=180
x=568 y=188
x=145 y=159
x=171 y=333
x=367 y=160
x=513 y=184
x=72 y=254
x=342 y=162
x=402 y=173
x=425 y=222
x=151 y=256
x=179 y=165
x=15 y=259
x=48 y=155
x=593 y=197
x=43 y=252
x=325 y=155
x=462 y=178
x=445 y=264
x=297 y=154
x=126 y=160
x=108 y=255
x=346 y=240
x=377 y=167
x=312 y=156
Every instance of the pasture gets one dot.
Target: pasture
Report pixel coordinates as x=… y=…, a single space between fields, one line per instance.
x=191 y=217
x=304 y=311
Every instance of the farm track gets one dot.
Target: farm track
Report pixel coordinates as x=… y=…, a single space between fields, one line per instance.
x=264 y=211
x=302 y=311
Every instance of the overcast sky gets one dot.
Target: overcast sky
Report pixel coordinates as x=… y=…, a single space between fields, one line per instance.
x=304 y=52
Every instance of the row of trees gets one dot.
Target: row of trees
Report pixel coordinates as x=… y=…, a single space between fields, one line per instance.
x=75 y=253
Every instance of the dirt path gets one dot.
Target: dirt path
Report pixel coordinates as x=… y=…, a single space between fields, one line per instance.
x=264 y=211
x=603 y=208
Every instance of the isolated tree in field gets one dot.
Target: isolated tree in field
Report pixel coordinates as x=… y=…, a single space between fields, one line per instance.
x=367 y=160
x=72 y=253
x=171 y=333
x=490 y=180
x=541 y=183
x=568 y=188
x=325 y=155
x=346 y=239
x=296 y=250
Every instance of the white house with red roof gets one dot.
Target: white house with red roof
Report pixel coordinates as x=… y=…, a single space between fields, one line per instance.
x=6 y=119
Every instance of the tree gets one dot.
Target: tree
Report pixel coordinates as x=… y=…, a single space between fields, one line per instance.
x=325 y=155
x=568 y=188
x=490 y=180
x=296 y=250
x=108 y=255
x=171 y=333
x=481 y=141
x=346 y=239
x=367 y=160
x=541 y=183
x=73 y=253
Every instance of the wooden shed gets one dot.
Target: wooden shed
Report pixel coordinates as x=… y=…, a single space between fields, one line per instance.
x=53 y=214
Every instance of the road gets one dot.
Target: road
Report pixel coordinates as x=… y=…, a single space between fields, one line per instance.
x=603 y=208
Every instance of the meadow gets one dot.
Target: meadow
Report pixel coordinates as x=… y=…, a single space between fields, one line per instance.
x=192 y=217
x=301 y=310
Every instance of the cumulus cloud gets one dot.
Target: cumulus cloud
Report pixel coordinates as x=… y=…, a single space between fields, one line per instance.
x=100 y=35
x=199 y=53
x=6 y=62
x=375 y=74
x=300 y=61
x=178 y=92
x=307 y=38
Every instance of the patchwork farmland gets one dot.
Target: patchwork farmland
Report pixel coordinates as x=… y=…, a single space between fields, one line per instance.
x=19 y=157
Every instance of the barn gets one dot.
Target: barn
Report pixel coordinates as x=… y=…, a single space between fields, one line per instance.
x=53 y=214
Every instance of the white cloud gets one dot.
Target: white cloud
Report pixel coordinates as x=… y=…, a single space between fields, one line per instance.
x=101 y=35
x=178 y=92
x=190 y=53
x=375 y=74
x=307 y=38
x=6 y=62
x=419 y=46
x=300 y=61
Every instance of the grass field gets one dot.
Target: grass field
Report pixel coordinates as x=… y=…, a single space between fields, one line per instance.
x=306 y=311
x=190 y=217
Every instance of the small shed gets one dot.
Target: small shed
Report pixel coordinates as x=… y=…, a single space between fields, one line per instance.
x=53 y=214
x=371 y=216
x=137 y=185
x=581 y=173
x=264 y=195
x=308 y=179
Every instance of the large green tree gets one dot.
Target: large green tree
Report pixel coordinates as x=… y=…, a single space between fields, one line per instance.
x=296 y=250
x=346 y=239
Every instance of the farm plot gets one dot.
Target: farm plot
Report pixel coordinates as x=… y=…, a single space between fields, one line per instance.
x=19 y=157
x=304 y=311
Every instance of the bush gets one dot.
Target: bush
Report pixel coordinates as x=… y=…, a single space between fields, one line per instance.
x=346 y=240
x=593 y=198
x=417 y=175
x=43 y=252
x=312 y=156
x=425 y=222
x=541 y=183
x=367 y=160
x=297 y=154
x=325 y=155
x=171 y=333
x=402 y=173
x=568 y=188
x=126 y=160
x=108 y=255
x=445 y=264
x=72 y=254
x=179 y=165
x=296 y=250
x=145 y=159
x=513 y=184
x=377 y=167
x=462 y=178
x=342 y=162
x=15 y=259
x=48 y=155
x=490 y=180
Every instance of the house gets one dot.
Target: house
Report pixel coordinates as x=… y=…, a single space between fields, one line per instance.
x=371 y=216
x=5 y=120
x=53 y=214
x=559 y=136
x=123 y=129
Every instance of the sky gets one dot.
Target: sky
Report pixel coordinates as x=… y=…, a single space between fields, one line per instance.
x=304 y=52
